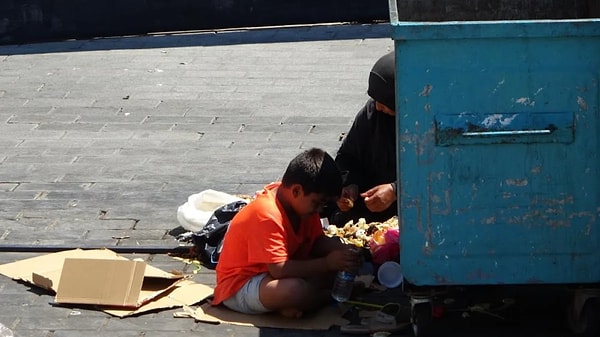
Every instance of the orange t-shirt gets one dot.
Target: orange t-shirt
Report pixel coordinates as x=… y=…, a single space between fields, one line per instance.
x=258 y=235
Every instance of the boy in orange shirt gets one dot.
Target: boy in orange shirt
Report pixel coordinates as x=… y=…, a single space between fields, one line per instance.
x=275 y=256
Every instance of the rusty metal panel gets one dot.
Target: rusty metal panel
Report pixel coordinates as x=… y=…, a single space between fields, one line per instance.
x=498 y=137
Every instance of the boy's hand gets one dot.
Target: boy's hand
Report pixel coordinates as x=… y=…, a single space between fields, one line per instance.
x=346 y=200
x=379 y=198
x=347 y=258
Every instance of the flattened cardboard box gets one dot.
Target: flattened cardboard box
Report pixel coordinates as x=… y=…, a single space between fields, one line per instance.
x=102 y=282
x=121 y=287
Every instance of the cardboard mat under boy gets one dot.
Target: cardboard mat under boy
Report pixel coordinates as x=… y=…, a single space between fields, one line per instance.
x=141 y=288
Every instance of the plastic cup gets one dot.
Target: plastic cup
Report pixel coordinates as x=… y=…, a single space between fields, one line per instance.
x=389 y=274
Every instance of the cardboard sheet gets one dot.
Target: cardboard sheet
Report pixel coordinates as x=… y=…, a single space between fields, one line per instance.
x=320 y=320
x=102 y=282
x=159 y=289
x=186 y=292
x=44 y=270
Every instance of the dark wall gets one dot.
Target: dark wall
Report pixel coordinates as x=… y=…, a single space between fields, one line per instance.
x=36 y=20
x=39 y=20
x=472 y=10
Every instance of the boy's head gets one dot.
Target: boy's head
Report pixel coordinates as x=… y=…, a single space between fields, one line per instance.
x=382 y=83
x=315 y=171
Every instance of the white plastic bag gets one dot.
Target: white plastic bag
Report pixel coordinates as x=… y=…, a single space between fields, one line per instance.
x=5 y=332
x=194 y=214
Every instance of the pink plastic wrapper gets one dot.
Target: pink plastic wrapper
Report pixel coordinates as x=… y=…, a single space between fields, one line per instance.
x=386 y=247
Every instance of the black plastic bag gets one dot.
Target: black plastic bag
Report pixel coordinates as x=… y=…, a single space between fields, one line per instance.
x=209 y=240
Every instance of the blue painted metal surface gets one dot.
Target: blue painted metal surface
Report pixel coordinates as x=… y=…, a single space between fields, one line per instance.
x=498 y=140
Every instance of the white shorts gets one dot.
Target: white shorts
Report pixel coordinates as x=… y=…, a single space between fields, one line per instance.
x=246 y=300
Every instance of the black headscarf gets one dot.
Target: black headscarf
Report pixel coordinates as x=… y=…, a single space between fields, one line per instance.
x=382 y=85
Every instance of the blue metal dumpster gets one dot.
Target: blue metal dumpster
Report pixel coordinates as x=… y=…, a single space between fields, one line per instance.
x=498 y=138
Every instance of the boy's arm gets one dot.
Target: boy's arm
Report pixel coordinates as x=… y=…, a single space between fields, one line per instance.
x=324 y=245
x=298 y=268
x=329 y=254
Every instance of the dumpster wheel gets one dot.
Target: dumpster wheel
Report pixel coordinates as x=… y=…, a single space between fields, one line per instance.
x=421 y=319
x=583 y=320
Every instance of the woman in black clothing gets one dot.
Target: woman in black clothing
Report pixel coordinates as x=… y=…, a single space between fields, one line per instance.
x=367 y=156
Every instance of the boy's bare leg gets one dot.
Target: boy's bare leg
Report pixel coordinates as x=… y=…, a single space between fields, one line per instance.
x=292 y=296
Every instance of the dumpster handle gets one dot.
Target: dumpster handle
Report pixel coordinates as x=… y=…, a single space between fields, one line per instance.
x=507 y=133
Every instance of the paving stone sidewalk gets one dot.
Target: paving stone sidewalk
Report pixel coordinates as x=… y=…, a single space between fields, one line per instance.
x=103 y=139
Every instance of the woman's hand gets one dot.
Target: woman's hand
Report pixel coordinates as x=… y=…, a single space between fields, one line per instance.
x=349 y=195
x=379 y=198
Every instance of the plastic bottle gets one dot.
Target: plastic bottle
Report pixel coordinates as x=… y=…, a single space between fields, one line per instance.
x=5 y=332
x=342 y=286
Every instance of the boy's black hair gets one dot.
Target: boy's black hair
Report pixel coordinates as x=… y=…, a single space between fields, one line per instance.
x=316 y=171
